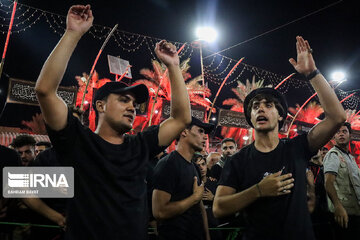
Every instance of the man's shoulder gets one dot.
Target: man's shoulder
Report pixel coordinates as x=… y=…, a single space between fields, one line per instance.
x=7 y=151
x=244 y=151
x=298 y=138
x=167 y=160
x=9 y=156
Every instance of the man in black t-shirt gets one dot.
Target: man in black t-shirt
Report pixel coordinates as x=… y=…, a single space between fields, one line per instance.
x=177 y=195
x=109 y=165
x=228 y=148
x=267 y=178
x=8 y=158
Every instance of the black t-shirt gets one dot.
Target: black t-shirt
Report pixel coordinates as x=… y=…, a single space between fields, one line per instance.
x=281 y=217
x=175 y=175
x=110 y=190
x=49 y=158
x=150 y=183
x=216 y=171
x=321 y=207
x=8 y=158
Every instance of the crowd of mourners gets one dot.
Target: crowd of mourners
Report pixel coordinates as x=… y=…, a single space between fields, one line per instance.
x=129 y=187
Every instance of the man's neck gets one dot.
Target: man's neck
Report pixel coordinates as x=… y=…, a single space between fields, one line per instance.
x=266 y=141
x=185 y=151
x=109 y=134
x=344 y=147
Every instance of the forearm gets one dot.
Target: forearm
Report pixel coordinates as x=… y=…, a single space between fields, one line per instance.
x=180 y=104
x=172 y=209
x=331 y=191
x=55 y=66
x=328 y=99
x=230 y=204
x=205 y=220
x=312 y=198
x=40 y=207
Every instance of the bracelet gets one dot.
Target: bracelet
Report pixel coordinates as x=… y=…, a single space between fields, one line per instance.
x=312 y=74
x=258 y=188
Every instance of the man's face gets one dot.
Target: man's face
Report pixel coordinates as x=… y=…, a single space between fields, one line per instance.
x=202 y=166
x=196 y=137
x=323 y=151
x=228 y=149
x=119 y=111
x=342 y=136
x=27 y=154
x=264 y=116
x=39 y=149
x=212 y=159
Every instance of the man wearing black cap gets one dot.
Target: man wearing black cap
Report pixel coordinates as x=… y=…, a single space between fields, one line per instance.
x=178 y=190
x=267 y=179
x=109 y=165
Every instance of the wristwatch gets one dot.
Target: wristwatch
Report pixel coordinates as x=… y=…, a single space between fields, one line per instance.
x=312 y=74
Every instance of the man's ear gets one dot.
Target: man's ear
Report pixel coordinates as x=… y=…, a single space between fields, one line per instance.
x=100 y=106
x=281 y=118
x=184 y=133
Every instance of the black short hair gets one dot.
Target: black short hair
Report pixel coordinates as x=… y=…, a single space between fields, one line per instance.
x=76 y=110
x=196 y=157
x=268 y=98
x=23 y=140
x=228 y=140
x=348 y=125
x=46 y=144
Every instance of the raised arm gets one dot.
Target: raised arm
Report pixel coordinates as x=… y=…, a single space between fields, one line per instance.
x=54 y=110
x=180 y=115
x=335 y=115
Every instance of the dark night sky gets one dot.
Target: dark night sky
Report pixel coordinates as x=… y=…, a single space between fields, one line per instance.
x=333 y=34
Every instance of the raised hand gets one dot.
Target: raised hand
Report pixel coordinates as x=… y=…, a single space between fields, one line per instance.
x=276 y=184
x=79 y=19
x=305 y=63
x=198 y=190
x=166 y=52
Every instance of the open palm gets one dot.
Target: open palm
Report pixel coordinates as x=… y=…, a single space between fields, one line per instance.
x=305 y=63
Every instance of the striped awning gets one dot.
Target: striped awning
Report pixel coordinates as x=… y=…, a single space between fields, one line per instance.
x=7 y=137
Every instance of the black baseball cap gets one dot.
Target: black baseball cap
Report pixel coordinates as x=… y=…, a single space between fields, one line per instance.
x=140 y=91
x=208 y=127
x=267 y=91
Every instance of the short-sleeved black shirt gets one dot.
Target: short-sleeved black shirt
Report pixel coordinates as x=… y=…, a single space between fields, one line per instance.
x=8 y=158
x=49 y=158
x=216 y=172
x=175 y=175
x=110 y=188
x=281 y=217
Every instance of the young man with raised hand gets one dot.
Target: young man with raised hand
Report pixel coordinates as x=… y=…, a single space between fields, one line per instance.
x=267 y=178
x=109 y=165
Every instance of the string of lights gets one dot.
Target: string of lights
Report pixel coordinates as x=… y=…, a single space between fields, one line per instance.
x=224 y=71
x=27 y=16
